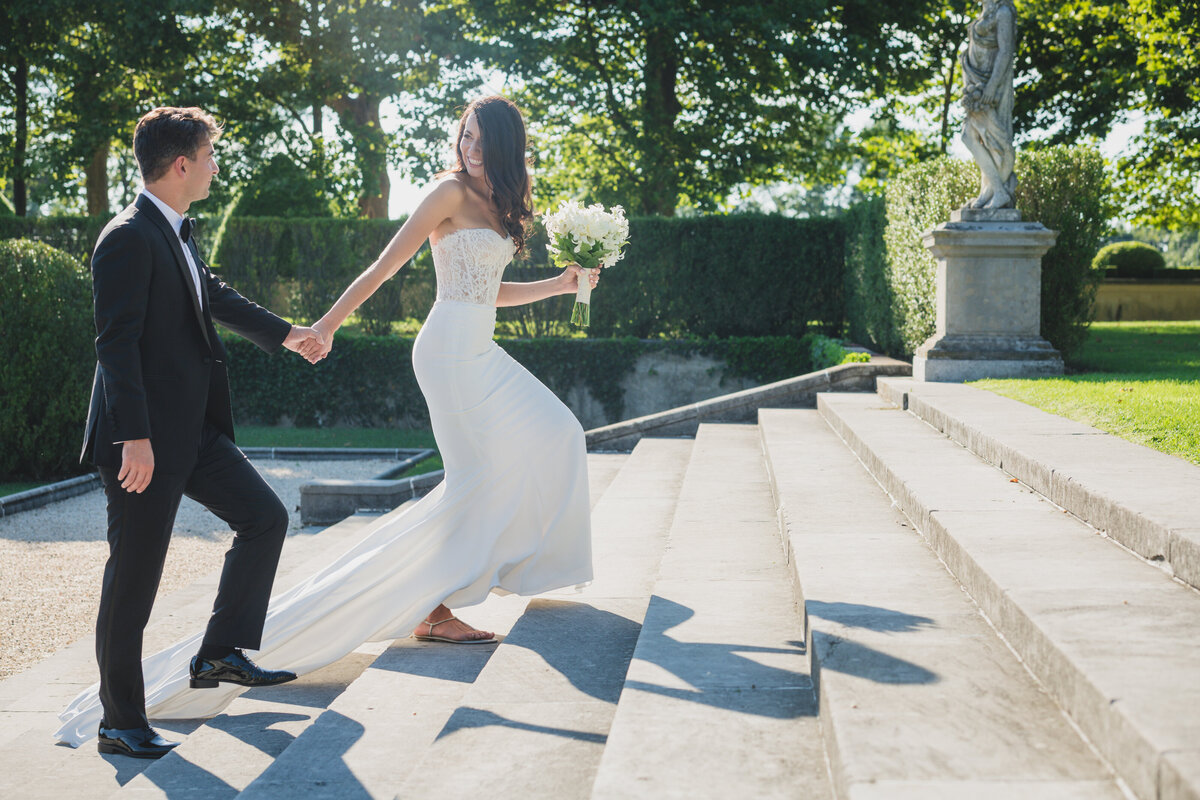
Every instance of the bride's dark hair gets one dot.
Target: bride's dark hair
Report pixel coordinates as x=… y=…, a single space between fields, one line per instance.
x=503 y=132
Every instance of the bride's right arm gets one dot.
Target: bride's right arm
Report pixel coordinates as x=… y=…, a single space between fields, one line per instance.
x=439 y=205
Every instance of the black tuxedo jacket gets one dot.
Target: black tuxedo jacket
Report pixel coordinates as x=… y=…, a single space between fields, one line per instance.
x=160 y=366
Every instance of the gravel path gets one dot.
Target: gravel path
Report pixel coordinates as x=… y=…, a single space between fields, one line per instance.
x=52 y=558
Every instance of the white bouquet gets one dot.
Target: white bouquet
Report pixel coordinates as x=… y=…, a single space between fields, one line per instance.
x=590 y=237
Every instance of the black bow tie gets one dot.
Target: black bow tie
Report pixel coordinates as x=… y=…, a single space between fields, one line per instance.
x=185 y=229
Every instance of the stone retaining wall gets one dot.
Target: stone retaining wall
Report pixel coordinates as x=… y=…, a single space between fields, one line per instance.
x=1127 y=300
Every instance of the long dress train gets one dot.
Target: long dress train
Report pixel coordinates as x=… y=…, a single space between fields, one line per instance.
x=511 y=516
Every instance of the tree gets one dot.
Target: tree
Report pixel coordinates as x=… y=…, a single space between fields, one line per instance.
x=1088 y=64
x=348 y=56
x=663 y=103
x=29 y=30
x=118 y=59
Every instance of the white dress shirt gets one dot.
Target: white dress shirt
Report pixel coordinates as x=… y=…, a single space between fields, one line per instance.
x=175 y=219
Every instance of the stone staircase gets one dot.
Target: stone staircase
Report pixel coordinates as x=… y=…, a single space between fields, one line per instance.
x=874 y=598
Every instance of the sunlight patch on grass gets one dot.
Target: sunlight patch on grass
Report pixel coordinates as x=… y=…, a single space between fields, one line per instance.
x=1164 y=415
x=1140 y=381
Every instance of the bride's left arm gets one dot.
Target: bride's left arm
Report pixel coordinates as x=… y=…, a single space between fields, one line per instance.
x=519 y=294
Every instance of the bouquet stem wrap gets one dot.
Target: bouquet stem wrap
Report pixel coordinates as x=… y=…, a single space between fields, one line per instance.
x=581 y=314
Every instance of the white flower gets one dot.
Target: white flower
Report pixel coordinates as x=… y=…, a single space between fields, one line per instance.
x=584 y=228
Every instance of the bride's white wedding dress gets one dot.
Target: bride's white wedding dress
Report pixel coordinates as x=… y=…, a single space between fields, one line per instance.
x=512 y=514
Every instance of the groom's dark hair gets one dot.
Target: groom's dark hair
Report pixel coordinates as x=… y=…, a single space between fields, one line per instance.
x=167 y=133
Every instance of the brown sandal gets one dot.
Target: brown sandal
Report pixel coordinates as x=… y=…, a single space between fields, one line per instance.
x=429 y=637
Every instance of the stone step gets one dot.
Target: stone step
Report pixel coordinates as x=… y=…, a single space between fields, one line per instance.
x=918 y=696
x=368 y=740
x=230 y=751
x=1114 y=640
x=1144 y=499
x=226 y=753
x=534 y=723
x=372 y=734
x=718 y=701
x=33 y=766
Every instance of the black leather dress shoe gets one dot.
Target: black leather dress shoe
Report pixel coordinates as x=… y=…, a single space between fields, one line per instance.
x=133 y=742
x=234 y=668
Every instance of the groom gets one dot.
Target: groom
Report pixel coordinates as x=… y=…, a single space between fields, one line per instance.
x=160 y=426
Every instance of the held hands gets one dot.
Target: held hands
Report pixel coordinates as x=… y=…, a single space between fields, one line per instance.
x=308 y=342
x=318 y=351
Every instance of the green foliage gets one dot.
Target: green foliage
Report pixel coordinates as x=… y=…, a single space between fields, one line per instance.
x=45 y=375
x=299 y=267
x=75 y=235
x=918 y=199
x=283 y=188
x=1086 y=65
x=1129 y=259
x=1180 y=248
x=1064 y=188
x=739 y=275
x=700 y=276
x=1138 y=382
x=1084 y=57
x=870 y=305
x=672 y=103
x=723 y=276
x=827 y=352
x=369 y=381
x=350 y=58
x=1067 y=190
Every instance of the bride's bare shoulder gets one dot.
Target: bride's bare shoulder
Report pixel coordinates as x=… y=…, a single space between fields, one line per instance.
x=450 y=187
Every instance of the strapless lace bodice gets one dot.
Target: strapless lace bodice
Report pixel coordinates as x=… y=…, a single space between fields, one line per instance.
x=469 y=263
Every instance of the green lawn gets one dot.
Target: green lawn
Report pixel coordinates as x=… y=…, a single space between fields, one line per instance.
x=1138 y=380
x=14 y=488
x=268 y=436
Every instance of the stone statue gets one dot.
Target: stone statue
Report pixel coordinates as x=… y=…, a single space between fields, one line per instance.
x=988 y=98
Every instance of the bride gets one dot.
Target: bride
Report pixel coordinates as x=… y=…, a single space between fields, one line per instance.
x=512 y=514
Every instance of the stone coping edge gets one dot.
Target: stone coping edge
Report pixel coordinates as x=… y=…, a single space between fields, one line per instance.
x=1138 y=524
x=337 y=453
x=327 y=502
x=51 y=492
x=743 y=406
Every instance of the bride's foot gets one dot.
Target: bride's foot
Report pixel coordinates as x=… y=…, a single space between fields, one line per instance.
x=442 y=626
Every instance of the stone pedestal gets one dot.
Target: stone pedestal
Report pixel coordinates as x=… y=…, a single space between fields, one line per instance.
x=989 y=271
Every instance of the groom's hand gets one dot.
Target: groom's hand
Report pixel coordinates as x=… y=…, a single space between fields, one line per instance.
x=308 y=342
x=137 y=465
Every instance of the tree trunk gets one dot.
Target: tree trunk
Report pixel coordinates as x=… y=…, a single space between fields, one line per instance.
x=660 y=107
x=360 y=118
x=948 y=97
x=96 y=181
x=21 y=85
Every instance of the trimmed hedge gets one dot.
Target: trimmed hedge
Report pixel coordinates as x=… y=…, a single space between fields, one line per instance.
x=46 y=373
x=744 y=275
x=1064 y=188
x=368 y=380
x=1129 y=259
x=870 y=304
x=73 y=234
x=739 y=275
x=1067 y=190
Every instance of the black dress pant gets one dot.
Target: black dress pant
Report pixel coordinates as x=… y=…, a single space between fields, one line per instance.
x=139 y=530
